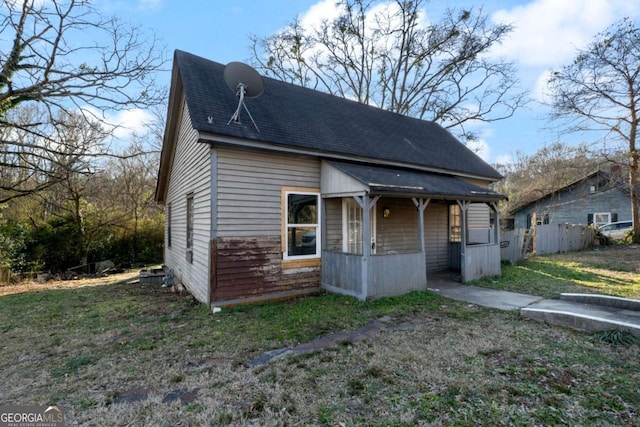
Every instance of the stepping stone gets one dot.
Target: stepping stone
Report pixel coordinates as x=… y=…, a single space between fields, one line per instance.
x=133 y=395
x=328 y=341
x=184 y=395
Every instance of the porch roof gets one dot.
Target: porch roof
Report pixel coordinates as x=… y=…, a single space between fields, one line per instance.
x=396 y=181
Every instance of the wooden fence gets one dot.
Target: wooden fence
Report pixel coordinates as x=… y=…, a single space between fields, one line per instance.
x=545 y=239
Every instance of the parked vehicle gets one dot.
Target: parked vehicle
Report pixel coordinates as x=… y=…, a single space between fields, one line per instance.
x=616 y=230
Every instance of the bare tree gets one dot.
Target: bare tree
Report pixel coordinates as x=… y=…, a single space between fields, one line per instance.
x=64 y=56
x=600 y=91
x=386 y=54
x=530 y=177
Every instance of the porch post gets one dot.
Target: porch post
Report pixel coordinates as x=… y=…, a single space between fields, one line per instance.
x=421 y=204
x=496 y=231
x=366 y=204
x=463 y=237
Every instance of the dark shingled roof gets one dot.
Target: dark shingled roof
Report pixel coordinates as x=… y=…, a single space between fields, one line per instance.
x=394 y=180
x=292 y=116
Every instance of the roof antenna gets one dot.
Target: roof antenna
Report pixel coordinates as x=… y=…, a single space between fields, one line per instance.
x=247 y=83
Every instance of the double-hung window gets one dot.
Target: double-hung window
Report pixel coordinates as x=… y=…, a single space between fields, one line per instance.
x=601 y=218
x=301 y=224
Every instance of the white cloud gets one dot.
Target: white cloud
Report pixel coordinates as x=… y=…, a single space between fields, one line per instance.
x=480 y=147
x=540 y=90
x=503 y=159
x=548 y=32
x=319 y=12
x=149 y=6
x=130 y=121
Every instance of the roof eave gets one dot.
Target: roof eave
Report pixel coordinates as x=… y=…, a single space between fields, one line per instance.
x=246 y=143
x=168 y=141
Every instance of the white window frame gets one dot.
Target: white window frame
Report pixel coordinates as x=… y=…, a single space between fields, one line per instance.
x=287 y=226
x=597 y=223
x=356 y=246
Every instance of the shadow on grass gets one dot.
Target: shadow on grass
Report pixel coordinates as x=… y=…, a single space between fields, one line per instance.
x=548 y=278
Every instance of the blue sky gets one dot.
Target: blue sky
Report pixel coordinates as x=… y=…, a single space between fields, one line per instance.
x=546 y=36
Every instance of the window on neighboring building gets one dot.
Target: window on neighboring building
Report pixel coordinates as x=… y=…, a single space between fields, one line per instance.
x=302 y=224
x=542 y=219
x=190 y=227
x=169 y=220
x=455 y=223
x=601 y=218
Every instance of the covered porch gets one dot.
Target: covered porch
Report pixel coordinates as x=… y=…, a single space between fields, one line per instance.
x=384 y=229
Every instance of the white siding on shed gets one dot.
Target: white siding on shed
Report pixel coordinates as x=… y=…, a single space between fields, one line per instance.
x=190 y=174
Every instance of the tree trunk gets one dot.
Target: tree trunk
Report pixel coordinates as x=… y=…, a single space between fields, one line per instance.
x=634 y=171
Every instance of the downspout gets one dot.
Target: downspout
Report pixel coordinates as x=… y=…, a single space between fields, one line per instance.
x=213 y=218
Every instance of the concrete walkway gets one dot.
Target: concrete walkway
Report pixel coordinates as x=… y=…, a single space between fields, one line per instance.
x=579 y=311
x=484 y=297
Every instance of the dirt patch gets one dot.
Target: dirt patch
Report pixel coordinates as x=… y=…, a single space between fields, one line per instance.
x=31 y=286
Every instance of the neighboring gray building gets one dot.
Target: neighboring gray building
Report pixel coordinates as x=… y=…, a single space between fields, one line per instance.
x=327 y=194
x=599 y=198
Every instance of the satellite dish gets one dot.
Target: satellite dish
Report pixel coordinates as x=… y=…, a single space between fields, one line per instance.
x=246 y=82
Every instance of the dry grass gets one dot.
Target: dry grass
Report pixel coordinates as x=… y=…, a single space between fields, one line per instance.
x=81 y=347
x=612 y=270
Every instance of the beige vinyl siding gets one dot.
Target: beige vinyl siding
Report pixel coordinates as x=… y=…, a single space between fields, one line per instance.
x=478 y=182
x=249 y=190
x=190 y=174
x=399 y=232
x=333 y=209
x=436 y=236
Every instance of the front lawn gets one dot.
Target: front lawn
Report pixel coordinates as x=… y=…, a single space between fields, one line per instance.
x=86 y=346
x=613 y=270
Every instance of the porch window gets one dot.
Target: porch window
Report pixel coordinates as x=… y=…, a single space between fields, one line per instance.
x=302 y=225
x=455 y=224
x=352 y=227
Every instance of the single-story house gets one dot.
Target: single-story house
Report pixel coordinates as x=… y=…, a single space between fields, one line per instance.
x=598 y=198
x=304 y=191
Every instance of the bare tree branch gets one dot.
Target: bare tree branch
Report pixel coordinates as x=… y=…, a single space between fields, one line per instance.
x=600 y=90
x=70 y=61
x=389 y=56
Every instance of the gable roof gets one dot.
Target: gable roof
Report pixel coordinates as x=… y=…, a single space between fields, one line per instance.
x=293 y=116
x=614 y=182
